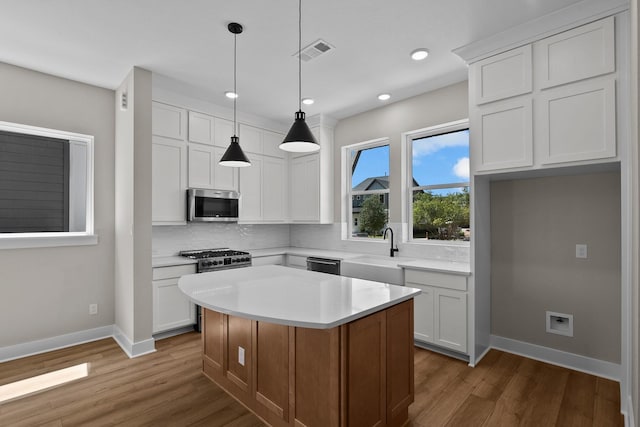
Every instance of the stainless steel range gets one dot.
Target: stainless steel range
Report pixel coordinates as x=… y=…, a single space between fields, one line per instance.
x=213 y=260
x=218 y=259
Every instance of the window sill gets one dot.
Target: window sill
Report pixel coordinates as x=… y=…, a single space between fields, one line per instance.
x=46 y=240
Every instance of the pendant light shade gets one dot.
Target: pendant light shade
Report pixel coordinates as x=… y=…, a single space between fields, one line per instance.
x=299 y=139
x=234 y=156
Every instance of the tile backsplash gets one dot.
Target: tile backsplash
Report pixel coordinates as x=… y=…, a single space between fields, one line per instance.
x=171 y=239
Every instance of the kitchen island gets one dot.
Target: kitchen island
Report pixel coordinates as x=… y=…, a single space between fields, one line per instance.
x=301 y=348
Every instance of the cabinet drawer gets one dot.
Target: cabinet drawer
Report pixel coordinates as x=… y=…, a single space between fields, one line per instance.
x=173 y=271
x=268 y=260
x=441 y=280
x=297 y=261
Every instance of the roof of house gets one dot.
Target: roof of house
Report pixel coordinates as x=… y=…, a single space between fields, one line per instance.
x=373 y=183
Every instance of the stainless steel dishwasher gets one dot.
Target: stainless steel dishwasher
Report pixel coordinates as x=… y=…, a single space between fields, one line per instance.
x=324 y=265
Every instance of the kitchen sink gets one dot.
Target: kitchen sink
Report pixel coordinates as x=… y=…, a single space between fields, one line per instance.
x=372 y=267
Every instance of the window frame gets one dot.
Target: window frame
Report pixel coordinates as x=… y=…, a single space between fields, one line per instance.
x=63 y=238
x=347 y=186
x=407 y=187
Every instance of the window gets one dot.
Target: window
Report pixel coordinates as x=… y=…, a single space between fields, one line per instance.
x=45 y=186
x=438 y=183
x=367 y=188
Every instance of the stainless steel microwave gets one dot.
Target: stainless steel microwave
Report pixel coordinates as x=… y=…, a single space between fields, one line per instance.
x=212 y=205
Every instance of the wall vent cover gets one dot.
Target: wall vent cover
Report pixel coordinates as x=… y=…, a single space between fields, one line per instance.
x=314 y=50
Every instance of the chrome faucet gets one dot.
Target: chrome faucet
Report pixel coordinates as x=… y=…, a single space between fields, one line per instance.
x=384 y=236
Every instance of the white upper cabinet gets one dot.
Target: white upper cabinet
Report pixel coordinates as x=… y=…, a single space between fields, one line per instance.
x=250 y=139
x=270 y=144
x=546 y=104
x=169 y=121
x=251 y=190
x=577 y=122
x=581 y=53
x=169 y=181
x=274 y=189
x=502 y=76
x=201 y=128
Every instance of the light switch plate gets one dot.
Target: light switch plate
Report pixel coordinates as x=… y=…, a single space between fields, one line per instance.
x=241 y=356
x=581 y=251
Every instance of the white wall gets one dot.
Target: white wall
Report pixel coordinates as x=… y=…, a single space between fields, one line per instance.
x=133 y=215
x=46 y=292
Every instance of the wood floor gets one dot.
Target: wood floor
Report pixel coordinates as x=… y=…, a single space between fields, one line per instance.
x=167 y=388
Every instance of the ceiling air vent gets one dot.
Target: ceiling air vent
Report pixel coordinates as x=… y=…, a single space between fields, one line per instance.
x=314 y=50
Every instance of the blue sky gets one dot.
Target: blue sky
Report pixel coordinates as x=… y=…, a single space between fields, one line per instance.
x=436 y=160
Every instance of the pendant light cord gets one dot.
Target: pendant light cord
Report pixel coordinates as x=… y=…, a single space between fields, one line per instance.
x=299 y=55
x=235 y=92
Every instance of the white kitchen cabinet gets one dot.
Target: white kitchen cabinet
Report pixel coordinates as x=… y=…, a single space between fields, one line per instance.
x=583 y=52
x=305 y=184
x=441 y=310
x=311 y=182
x=251 y=190
x=561 y=105
x=201 y=128
x=250 y=139
x=268 y=260
x=274 y=189
x=503 y=134
x=169 y=121
x=296 y=261
x=502 y=76
x=205 y=172
x=577 y=121
x=169 y=181
x=171 y=308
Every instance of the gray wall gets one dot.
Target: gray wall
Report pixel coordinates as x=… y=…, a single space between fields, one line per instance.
x=535 y=225
x=432 y=108
x=45 y=292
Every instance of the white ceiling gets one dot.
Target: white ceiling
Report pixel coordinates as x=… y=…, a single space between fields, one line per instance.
x=187 y=42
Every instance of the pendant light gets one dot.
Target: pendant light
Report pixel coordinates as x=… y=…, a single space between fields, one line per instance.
x=234 y=156
x=299 y=139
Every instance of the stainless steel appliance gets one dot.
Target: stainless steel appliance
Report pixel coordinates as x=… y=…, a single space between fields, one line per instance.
x=212 y=205
x=213 y=260
x=324 y=265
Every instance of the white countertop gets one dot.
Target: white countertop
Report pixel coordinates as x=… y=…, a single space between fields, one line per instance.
x=442 y=266
x=287 y=296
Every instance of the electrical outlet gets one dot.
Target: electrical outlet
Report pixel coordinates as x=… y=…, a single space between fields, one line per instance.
x=93 y=309
x=241 y=356
x=581 y=251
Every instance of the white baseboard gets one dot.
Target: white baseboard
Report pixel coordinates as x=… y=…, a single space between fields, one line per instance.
x=576 y=362
x=45 y=345
x=629 y=419
x=132 y=349
x=54 y=343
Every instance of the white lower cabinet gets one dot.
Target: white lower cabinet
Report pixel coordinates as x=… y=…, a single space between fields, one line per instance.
x=440 y=311
x=171 y=308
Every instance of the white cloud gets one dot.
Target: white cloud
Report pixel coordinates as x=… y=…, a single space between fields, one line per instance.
x=433 y=144
x=461 y=168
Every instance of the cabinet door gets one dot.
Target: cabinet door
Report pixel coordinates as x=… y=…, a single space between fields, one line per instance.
x=270 y=143
x=502 y=76
x=169 y=181
x=201 y=128
x=274 y=197
x=450 y=319
x=504 y=135
x=169 y=121
x=423 y=314
x=201 y=166
x=250 y=139
x=305 y=188
x=577 y=121
x=251 y=190
x=223 y=132
x=580 y=53
x=171 y=308
x=224 y=177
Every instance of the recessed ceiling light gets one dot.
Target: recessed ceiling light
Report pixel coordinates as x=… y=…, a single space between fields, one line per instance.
x=419 y=54
x=384 y=96
x=307 y=101
x=230 y=94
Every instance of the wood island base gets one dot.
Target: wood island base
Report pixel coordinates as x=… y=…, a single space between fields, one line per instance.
x=356 y=374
